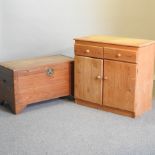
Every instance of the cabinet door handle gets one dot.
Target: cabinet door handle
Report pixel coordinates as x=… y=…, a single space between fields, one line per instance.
x=105 y=78
x=99 y=77
x=87 y=51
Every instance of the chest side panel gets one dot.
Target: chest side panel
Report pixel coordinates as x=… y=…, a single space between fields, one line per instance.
x=6 y=85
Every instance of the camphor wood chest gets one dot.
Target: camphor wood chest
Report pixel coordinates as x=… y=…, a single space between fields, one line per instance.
x=24 y=82
x=114 y=74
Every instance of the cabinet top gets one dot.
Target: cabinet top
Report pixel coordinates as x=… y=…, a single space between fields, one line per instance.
x=116 y=40
x=35 y=62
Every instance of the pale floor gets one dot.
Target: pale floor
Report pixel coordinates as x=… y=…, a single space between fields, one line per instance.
x=60 y=127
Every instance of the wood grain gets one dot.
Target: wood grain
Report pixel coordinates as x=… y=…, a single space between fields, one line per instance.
x=91 y=51
x=29 y=64
x=105 y=108
x=86 y=72
x=119 y=87
x=32 y=85
x=128 y=74
x=38 y=86
x=144 y=80
x=120 y=54
x=117 y=40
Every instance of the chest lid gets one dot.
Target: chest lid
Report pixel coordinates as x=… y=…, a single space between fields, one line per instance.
x=23 y=64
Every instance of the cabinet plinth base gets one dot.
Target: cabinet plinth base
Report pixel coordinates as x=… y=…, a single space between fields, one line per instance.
x=105 y=108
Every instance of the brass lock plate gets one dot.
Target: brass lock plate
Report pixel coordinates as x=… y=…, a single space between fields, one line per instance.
x=50 y=71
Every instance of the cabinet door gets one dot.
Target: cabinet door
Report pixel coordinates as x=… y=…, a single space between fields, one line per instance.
x=119 y=85
x=88 y=79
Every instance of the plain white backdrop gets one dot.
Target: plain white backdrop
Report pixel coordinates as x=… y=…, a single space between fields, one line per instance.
x=41 y=27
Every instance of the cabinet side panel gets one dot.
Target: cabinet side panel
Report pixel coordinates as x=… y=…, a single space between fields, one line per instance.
x=144 y=82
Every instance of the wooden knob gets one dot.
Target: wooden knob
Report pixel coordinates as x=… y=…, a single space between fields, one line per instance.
x=87 y=51
x=119 y=55
x=105 y=78
x=99 y=77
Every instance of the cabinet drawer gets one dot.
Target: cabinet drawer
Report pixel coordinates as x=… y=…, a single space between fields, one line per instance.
x=90 y=51
x=120 y=54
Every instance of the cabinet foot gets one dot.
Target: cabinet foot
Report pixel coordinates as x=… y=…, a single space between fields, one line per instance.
x=106 y=108
x=88 y=104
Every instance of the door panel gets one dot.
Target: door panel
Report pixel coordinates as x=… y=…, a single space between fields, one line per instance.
x=88 y=79
x=119 y=85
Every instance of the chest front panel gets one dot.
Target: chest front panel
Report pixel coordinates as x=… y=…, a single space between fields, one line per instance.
x=43 y=83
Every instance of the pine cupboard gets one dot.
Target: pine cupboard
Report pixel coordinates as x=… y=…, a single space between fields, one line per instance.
x=114 y=74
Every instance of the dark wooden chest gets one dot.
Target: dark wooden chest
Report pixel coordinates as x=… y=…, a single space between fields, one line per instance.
x=24 y=82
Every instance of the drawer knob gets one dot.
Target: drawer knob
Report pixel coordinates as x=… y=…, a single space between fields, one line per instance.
x=99 y=77
x=119 y=55
x=87 y=51
x=105 y=78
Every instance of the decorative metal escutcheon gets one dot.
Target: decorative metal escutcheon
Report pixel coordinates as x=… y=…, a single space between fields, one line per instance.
x=50 y=71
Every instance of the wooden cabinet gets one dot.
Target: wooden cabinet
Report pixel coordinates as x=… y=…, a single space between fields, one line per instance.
x=114 y=74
